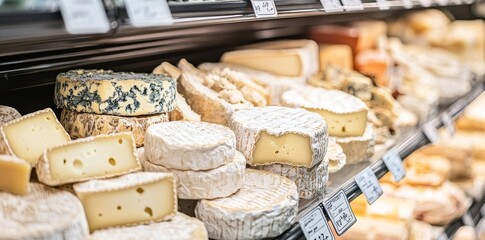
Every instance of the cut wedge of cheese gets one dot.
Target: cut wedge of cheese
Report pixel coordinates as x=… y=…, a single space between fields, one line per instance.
x=131 y=199
x=358 y=149
x=336 y=54
x=98 y=157
x=28 y=136
x=14 y=175
x=283 y=135
x=461 y=159
x=345 y=114
x=336 y=156
x=264 y=207
x=180 y=226
x=190 y=145
x=473 y=117
x=369 y=228
x=206 y=184
x=43 y=213
x=81 y=125
x=8 y=114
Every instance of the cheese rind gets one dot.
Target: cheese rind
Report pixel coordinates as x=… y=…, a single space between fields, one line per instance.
x=180 y=226
x=358 y=149
x=264 y=207
x=98 y=157
x=335 y=156
x=14 y=175
x=122 y=94
x=208 y=184
x=81 y=125
x=131 y=199
x=280 y=135
x=345 y=114
x=8 y=114
x=190 y=145
x=43 y=213
x=28 y=136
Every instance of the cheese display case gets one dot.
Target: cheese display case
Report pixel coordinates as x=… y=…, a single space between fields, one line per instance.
x=212 y=122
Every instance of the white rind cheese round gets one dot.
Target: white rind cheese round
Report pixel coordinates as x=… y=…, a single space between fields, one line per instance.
x=108 y=92
x=190 y=145
x=8 y=114
x=81 y=125
x=358 y=149
x=311 y=182
x=278 y=121
x=264 y=207
x=336 y=156
x=44 y=213
x=209 y=184
x=180 y=227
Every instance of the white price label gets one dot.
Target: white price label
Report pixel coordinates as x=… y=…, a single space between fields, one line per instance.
x=425 y=3
x=431 y=133
x=84 y=16
x=407 y=3
x=352 y=5
x=369 y=184
x=448 y=122
x=383 y=4
x=264 y=8
x=340 y=212
x=394 y=164
x=315 y=226
x=332 y=5
x=143 y=13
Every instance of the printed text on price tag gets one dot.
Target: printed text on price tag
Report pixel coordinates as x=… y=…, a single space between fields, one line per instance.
x=264 y=8
x=352 y=5
x=84 y=16
x=143 y=13
x=394 y=164
x=332 y=5
x=369 y=184
x=315 y=226
x=340 y=212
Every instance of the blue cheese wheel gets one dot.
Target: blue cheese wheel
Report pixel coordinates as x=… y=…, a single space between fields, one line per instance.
x=115 y=93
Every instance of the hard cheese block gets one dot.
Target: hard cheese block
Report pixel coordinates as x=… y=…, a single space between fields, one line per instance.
x=207 y=184
x=81 y=125
x=96 y=157
x=336 y=54
x=345 y=114
x=369 y=228
x=190 y=145
x=14 y=175
x=293 y=58
x=311 y=182
x=280 y=135
x=8 y=114
x=358 y=149
x=180 y=226
x=377 y=64
x=28 y=136
x=128 y=200
x=107 y=92
x=43 y=213
x=264 y=207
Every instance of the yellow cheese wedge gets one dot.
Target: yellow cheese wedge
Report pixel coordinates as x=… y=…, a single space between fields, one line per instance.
x=14 y=175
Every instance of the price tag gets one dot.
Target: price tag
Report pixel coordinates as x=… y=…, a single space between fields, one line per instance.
x=84 y=16
x=425 y=3
x=143 y=13
x=315 y=226
x=369 y=184
x=468 y=220
x=352 y=5
x=340 y=212
x=431 y=132
x=383 y=4
x=407 y=3
x=332 y=5
x=394 y=164
x=264 y=8
x=448 y=122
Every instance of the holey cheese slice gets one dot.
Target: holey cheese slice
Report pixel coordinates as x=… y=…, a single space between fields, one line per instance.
x=264 y=207
x=131 y=199
x=14 y=175
x=81 y=125
x=207 y=184
x=267 y=135
x=108 y=92
x=44 y=213
x=28 y=136
x=8 y=114
x=96 y=157
x=311 y=182
x=358 y=149
x=190 y=145
x=180 y=227
x=345 y=114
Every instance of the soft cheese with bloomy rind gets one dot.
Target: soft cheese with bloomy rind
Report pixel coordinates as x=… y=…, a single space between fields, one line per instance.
x=180 y=227
x=28 y=136
x=267 y=135
x=335 y=155
x=81 y=125
x=190 y=145
x=95 y=157
x=8 y=114
x=345 y=114
x=14 y=175
x=43 y=213
x=207 y=184
x=108 y=92
x=264 y=207
x=358 y=149
x=311 y=182
x=131 y=199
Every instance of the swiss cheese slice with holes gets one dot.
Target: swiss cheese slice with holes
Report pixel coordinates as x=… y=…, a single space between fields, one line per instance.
x=102 y=156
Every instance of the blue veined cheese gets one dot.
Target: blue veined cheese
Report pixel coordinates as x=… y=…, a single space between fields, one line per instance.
x=115 y=93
